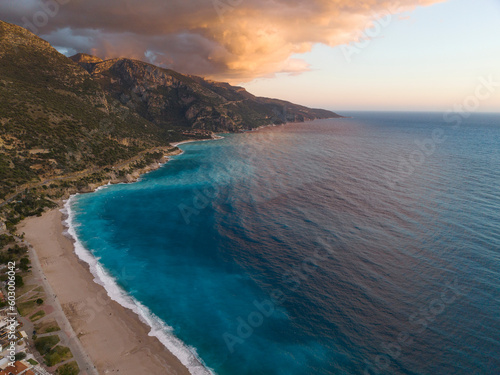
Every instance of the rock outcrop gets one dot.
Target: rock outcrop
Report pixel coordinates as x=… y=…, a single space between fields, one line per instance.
x=171 y=99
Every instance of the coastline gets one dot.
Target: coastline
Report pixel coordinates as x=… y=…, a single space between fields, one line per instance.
x=157 y=328
x=111 y=335
x=114 y=336
x=115 y=333
x=215 y=138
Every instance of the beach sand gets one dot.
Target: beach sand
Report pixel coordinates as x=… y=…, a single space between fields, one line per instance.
x=113 y=337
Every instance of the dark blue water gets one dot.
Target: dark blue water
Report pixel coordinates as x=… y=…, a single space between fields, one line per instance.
x=347 y=246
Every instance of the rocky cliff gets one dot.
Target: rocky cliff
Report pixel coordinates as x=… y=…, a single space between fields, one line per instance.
x=173 y=100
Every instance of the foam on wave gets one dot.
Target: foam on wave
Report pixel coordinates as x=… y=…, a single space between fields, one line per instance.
x=159 y=329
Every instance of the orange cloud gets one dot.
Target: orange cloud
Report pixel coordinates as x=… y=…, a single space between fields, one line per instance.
x=228 y=39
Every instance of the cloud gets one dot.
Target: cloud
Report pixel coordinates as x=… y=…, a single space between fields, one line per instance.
x=223 y=39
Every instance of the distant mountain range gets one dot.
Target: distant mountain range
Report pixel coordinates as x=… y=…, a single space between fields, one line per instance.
x=61 y=115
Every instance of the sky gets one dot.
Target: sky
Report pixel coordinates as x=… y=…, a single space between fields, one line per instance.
x=430 y=59
x=336 y=54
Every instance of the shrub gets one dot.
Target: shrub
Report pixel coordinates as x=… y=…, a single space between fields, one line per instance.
x=45 y=344
x=20 y=356
x=19 y=281
x=57 y=355
x=38 y=315
x=70 y=368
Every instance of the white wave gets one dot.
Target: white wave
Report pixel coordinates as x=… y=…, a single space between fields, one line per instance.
x=187 y=355
x=102 y=187
x=215 y=138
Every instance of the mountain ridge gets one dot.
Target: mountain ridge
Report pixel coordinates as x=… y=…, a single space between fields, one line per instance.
x=166 y=97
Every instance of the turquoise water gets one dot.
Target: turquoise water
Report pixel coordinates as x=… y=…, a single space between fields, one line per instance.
x=346 y=246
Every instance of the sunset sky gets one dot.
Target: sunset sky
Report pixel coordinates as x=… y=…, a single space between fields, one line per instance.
x=414 y=55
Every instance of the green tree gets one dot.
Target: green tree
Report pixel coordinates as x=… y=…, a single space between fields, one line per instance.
x=19 y=280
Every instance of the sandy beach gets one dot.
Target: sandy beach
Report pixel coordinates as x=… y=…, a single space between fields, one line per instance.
x=112 y=336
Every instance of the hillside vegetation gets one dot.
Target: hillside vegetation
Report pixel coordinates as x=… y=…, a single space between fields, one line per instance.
x=54 y=119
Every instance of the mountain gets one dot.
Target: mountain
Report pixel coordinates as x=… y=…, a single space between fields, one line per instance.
x=61 y=116
x=55 y=119
x=171 y=100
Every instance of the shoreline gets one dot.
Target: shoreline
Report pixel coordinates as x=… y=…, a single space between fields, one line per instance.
x=158 y=328
x=130 y=178
x=110 y=177
x=215 y=138
x=110 y=334
x=114 y=337
x=114 y=334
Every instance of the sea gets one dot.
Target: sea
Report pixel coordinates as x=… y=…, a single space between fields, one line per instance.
x=360 y=245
